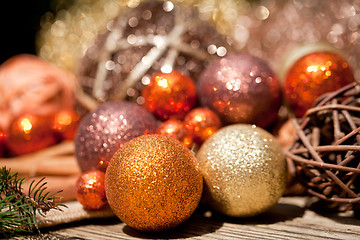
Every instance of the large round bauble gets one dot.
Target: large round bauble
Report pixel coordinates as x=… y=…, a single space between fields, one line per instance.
x=313 y=75
x=153 y=183
x=244 y=170
x=103 y=131
x=169 y=95
x=241 y=88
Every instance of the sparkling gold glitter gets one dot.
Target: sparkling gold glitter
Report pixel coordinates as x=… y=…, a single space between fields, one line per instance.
x=244 y=170
x=153 y=183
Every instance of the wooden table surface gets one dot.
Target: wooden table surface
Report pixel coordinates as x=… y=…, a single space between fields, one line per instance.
x=291 y=218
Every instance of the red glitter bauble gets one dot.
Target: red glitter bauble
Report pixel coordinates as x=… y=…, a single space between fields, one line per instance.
x=202 y=123
x=169 y=95
x=30 y=133
x=176 y=129
x=241 y=88
x=2 y=142
x=102 y=132
x=313 y=75
x=65 y=123
x=90 y=190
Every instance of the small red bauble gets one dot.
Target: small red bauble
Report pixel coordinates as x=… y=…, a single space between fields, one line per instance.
x=2 y=142
x=30 y=133
x=90 y=190
x=202 y=123
x=169 y=95
x=176 y=129
x=65 y=123
x=313 y=75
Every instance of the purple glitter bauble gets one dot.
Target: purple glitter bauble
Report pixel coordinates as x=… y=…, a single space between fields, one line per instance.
x=102 y=132
x=241 y=88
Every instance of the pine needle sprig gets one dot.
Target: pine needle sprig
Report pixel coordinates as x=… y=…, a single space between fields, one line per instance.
x=17 y=209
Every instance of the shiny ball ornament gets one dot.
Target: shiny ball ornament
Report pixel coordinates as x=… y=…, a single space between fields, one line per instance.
x=90 y=190
x=313 y=75
x=176 y=129
x=244 y=170
x=65 y=124
x=241 y=88
x=2 y=143
x=202 y=123
x=30 y=133
x=169 y=95
x=153 y=183
x=102 y=132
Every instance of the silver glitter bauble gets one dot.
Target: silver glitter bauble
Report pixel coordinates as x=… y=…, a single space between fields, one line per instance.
x=244 y=170
x=102 y=132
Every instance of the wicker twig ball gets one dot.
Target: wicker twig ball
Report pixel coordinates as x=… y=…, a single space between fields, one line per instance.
x=325 y=155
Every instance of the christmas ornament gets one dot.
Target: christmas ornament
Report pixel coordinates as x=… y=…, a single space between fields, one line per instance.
x=153 y=183
x=313 y=75
x=2 y=142
x=244 y=170
x=169 y=95
x=241 y=89
x=202 y=123
x=29 y=133
x=176 y=129
x=103 y=131
x=66 y=123
x=152 y=37
x=28 y=84
x=90 y=190
x=325 y=153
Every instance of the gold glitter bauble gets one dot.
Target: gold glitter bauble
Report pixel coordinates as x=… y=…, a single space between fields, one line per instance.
x=153 y=183
x=244 y=170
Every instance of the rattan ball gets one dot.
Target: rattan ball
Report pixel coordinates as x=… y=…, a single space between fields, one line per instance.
x=325 y=154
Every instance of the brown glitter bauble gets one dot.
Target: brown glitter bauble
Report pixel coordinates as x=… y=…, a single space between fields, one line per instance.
x=29 y=133
x=152 y=37
x=169 y=95
x=241 y=88
x=325 y=154
x=313 y=75
x=176 y=129
x=90 y=190
x=153 y=183
x=202 y=123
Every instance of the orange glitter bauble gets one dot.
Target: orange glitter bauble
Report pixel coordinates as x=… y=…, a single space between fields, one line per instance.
x=90 y=190
x=30 y=133
x=313 y=75
x=153 y=183
x=202 y=123
x=169 y=95
x=65 y=123
x=176 y=129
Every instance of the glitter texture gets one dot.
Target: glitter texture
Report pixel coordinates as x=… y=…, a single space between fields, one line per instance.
x=244 y=170
x=313 y=75
x=153 y=183
x=103 y=131
x=241 y=88
x=176 y=129
x=169 y=95
x=90 y=190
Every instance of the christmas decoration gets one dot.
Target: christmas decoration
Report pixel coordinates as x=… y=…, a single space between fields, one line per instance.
x=325 y=153
x=102 y=131
x=29 y=133
x=2 y=142
x=66 y=123
x=244 y=170
x=202 y=123
x=90 y=190
x=176 y=129
x=241 y=89
x=18 y=209
x=153 y=183
x=313 y=75
x=169 y=95
x=153 y=37
x=28 y=84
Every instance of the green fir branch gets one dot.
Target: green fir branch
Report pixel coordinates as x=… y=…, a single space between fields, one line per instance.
x=17 y=209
